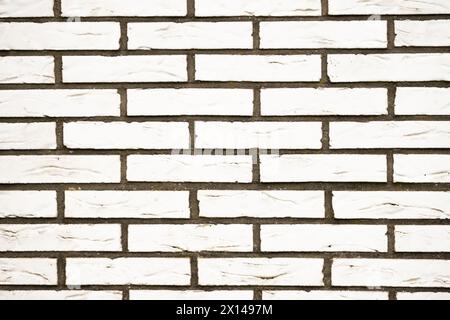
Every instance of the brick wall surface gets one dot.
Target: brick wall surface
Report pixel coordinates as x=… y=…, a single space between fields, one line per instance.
x=224 y=149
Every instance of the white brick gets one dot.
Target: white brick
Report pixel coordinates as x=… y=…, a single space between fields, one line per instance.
x=59 y=103
x=422 y=238
x=190 y=35
x=422 y=101
x=316 y=168
x=190 y=295
x=344 y=7
x=324 y=295
x=22 y=136
x=423 y=296
x=289 y=68
x=422 y=168
x=198 y=168
x=391 y=273
x=172 y=102
x=127 y=204
x=122 y=135
x=389 y=67
x=261 y=204
x=257 y=8
x=116 y=8
x=323 y=101
x=60 y=36
x=85 y=69
x=390 y=134
x=264 y=135
x=53 y=237
x=28 y=271
x=391 y=205
x=27 y=204
x=260 y=271
x=26 y=8
x=26 y=70
x=126 y=271
x=60 y=295
x=59 y=169
x=432 y=33
x=328 y=238
x=323 y=34
x=191 y=237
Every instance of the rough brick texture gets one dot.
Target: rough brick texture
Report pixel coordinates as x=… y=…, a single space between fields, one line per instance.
x=225 y=149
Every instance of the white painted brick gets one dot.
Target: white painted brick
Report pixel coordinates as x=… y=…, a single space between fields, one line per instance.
x=116 y=8
x=423 y=296
x=60 y=295
x=323 y=101
x=344 y=7
x=332 y=168
x=191 y=237
x=390 y=134
x=391 y=205
x=125 y=271
x=432 y=33
x=323 y=34
x=323 y=238
x=389 y=67
x=261 y=204
x=28 y=271
x=190 y=35
x=265 y=135
x=324 y=295
x=127 y=204
x=422 y=238
x=289 y=68
x=26 y=8
x=86 y=69
x=122 y=135
x=22 y=136
x=391 y=273
x=260 y=271
x=53 y=237
x=60 y=36
x=27 y=204
x=172 y=102
x=422 y=101
x=257 y=8
x=59 y=169
x=190 y=295
x=59 y=103
x=422 y=168
x=198 y=168
x=26 y=70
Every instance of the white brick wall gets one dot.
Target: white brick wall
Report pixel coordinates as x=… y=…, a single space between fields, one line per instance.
x=289 y=68
x=388 y=67
x=179 y=238
x=286 y=238
x=224 y=149
x=60 y=36
x=105 y=8
x=26 y=70
x=390 y=273
x=261 y=204
x=323 y=34
x=127 y=204
x=59 y=103
x=260 y=271
x=190 y=35
x=123 y=271
x=344 y=7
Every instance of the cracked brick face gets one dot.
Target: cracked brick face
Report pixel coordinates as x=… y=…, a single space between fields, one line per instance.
x=225 y=149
